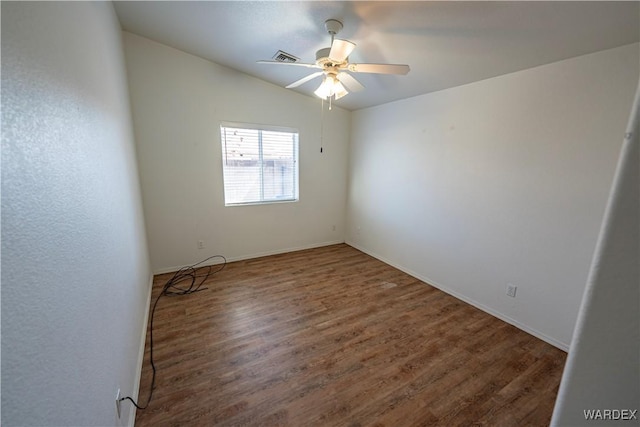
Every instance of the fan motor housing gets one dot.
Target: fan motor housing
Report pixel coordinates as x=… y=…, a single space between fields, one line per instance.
x=323 y=53
x=323 y=60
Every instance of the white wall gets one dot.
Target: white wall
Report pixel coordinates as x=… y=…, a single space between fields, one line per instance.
x=75 y=270
x=495 y=182
x=603 y=367
x=179 y=101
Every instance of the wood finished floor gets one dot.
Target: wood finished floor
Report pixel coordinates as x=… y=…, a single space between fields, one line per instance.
x=333 y=337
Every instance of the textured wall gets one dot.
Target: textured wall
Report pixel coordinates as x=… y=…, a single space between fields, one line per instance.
x=75 y=269
x=496 y=182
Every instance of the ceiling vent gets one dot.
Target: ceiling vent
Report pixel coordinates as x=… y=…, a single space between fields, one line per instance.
x=281 y=56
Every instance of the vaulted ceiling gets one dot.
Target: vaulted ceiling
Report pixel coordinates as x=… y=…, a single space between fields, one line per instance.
x=446 y=44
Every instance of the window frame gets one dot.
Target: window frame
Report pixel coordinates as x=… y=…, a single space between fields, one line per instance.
x=261 y=128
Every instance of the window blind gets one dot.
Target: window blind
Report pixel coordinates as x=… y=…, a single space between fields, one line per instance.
x=260 y=165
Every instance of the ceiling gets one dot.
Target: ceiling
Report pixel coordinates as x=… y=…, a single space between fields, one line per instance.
x=446 y=44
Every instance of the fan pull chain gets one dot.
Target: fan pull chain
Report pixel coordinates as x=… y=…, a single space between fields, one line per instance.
x=321 y=123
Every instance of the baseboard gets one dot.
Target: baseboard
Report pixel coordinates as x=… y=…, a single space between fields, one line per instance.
x=558 y=344
x=254 y=255
x=143 y=338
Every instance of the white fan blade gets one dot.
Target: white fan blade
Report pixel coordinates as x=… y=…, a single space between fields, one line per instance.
x=379 y=68
x=298 y=64
x=350 y=82
x=340 y=50
x=304 y=79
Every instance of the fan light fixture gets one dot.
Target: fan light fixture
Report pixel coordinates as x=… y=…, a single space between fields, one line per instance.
x=331 y=86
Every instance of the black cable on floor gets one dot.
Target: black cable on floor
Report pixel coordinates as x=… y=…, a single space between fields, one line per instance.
x=193 y=275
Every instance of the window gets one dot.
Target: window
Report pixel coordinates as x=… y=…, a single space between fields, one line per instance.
x=259 y=164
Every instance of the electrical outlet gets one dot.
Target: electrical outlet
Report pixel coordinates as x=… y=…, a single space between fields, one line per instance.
x=118 y=403
x=200 y=244
x=511 y=290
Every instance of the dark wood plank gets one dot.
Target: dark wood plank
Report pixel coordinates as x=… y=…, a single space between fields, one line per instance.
x=333 y=337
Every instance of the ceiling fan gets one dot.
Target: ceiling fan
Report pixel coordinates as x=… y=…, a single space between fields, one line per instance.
x=335 y=66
